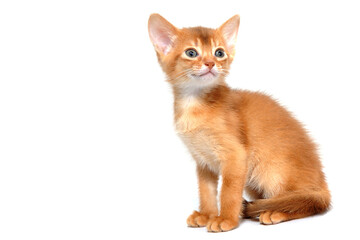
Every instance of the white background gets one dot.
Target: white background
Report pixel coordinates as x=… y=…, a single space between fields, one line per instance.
x=87 y=144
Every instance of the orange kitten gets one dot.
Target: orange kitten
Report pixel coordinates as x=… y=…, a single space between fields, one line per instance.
x=246 y=137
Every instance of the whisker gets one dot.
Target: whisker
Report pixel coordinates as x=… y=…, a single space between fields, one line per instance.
x=182 y=73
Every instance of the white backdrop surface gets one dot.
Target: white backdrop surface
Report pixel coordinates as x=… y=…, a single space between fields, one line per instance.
x=87 y=143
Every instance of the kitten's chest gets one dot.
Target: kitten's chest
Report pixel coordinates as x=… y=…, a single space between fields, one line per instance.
x=194 y=127
x=203 y=147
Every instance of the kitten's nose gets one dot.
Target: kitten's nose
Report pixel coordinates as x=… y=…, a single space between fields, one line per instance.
x=210 y=65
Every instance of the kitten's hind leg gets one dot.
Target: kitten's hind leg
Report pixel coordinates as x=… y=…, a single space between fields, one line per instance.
x=269 y=218
x=288 y=206
x=253 y=194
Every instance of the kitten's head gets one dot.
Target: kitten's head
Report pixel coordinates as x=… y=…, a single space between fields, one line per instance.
x=194 y=58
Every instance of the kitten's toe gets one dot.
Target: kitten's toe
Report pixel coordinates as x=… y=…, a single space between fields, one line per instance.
x=269 y=217
x=265 y=218
x=219 y=224
x=197 y=219
x=278 y=217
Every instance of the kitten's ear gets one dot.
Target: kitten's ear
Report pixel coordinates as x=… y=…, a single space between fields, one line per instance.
x=229 y=31
x=162 y=33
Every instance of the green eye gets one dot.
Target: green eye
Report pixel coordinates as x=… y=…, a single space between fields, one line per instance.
x=220 y=53
x=191 y=53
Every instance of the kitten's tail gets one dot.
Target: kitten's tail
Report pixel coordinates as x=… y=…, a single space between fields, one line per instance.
x=302 y=202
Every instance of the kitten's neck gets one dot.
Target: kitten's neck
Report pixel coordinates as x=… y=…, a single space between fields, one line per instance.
x=187 y=98
x=191 y=110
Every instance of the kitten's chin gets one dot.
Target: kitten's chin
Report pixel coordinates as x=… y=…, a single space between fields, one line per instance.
x=197 y=84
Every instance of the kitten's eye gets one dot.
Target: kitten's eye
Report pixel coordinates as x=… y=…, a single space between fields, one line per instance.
x=191 y=53
x=220 y=53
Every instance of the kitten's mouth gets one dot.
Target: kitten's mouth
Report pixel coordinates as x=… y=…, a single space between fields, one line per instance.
x=205 y=75
x=209 y=73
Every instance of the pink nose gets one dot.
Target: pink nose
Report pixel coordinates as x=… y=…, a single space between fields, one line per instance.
x=210 y=65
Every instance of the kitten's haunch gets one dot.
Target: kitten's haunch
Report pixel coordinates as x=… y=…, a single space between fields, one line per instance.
x=249 y=139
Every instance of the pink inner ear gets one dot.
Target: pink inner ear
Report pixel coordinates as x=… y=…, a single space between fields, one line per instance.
x=230 y=35
x=229 y=30
x=163 y=40
x=162 y=33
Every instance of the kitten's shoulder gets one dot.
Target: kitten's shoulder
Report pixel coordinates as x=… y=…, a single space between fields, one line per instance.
x=247 y=96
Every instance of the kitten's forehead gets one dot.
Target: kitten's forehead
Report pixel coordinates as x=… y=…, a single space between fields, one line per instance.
x=201 y=37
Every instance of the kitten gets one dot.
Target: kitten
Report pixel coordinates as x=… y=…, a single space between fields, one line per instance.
x=246 y=137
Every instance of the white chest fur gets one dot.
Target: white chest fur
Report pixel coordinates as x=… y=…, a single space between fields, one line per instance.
x=186 y=119
x=202 y=148
x=192 y=128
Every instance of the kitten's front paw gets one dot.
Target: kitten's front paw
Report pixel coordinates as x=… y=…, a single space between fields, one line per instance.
x=219 y=224
x=197 y=219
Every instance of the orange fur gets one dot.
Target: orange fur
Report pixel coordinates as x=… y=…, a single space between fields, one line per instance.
x=247 y=137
